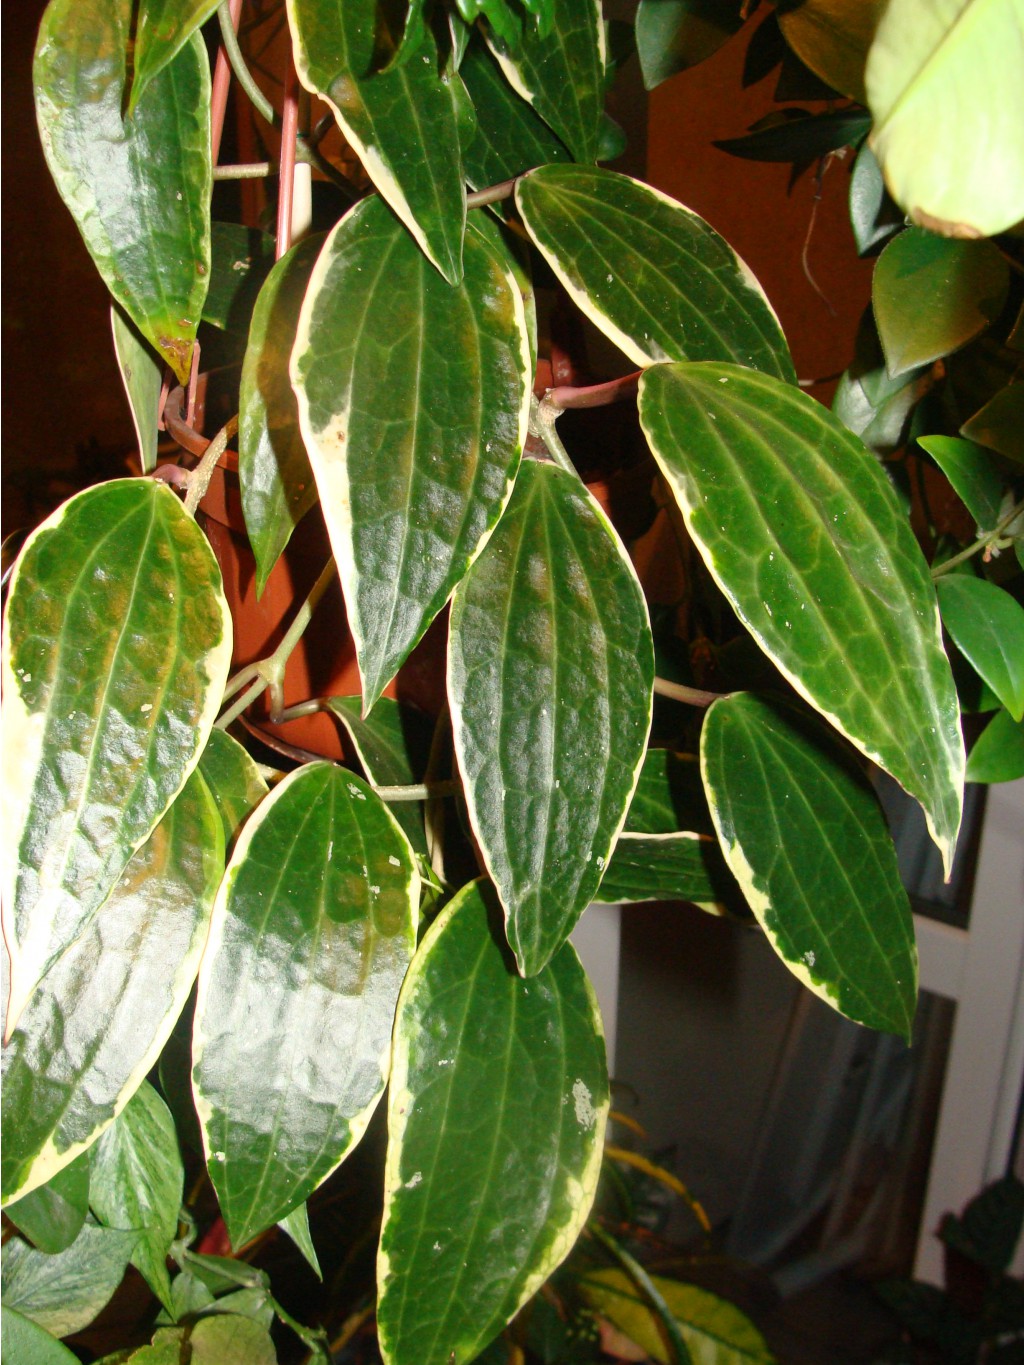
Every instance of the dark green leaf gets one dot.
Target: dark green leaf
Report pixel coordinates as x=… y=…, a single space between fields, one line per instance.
x=805 y=837
x=873 y=215
x=998 y=753
x=1000 y=423
x=162 y=27
x=672 y=35
x=241 y=259
x=971 y=471
x=142 y=376
x=651 y=274
x=402 y=123
x=411 y=486
x=987 y=626
x=277 y=484
x=550 y=669
x=116 y=653
x=510 y=137
x=296 y=1225
x=798 y=525
x=497 y=1107
x=137 y=186
x=234 y=781
x=932 y=294
x=22 y=1342
x=64 y=1292
x=990 y=1228
x=799 y=136
x=52 y=1216
x=227 y=1339
x=313 y=930
x=99 y=1020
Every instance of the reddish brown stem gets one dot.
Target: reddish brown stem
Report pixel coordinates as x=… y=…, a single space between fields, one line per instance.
x=286 y=181
x=221 y=82
x=594 y=395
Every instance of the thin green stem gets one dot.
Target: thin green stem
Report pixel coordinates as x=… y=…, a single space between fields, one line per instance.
x=420 y=791
x=253 y=170
x=199 y=478
x=692 y=696
x=492 y=195
x=246 y=699
x=543 y=416
x=982 y=543
x=242 y=74
x=646 y=1286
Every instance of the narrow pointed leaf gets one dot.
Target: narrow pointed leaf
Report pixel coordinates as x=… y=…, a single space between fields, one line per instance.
x=800 y=528
x=105 y=1009
x=116 y=651
x=142 y=376
x=162 y=27
x=491 y=1074
x=414 y=401
x=278 y=487
x=931 y=295
x=137 y=1178
x=64 y=1292
x=972 y=472
x=314 y=928
x=998 y=753
x=296 y=1225
x=672 y=35
x=234 y=782
x=651 y=274
x=52 y=1216
x=510 y=137
x=550 y=670
x=562 y=74
x=804 y=834
x=137 y=186
x=22 y=1339
x=943 y=83
x=798 y=136
x=402 y=123
x=987 y=626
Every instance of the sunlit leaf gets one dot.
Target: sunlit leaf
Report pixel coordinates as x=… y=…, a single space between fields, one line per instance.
x=651 y=274
x=142 y=376
x=162 y=27
x=414 y=401
x=550 y=669
x=314 y=927
x=52 y=1216
x=491 y=1074
x=234 y=781
x=510 y=137
x=799 y=526
x=672 y=35
x=64 y=1292
x=987 y=626
x=833 y=37
x=116 y=650
x=137 y=186
x=971 y=471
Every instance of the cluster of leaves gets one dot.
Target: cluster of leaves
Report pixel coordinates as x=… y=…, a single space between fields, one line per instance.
x=388 y=377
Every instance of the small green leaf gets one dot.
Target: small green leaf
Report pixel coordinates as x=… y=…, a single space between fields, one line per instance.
x=296 y=1225
x=52 y=1216
x=137 y=1178
x=943 y=83
x=142 y=376
x=561 y=73
x=672 y=35
x=971 y=471
x=103 y=1012
x=162 y=27
x=314 y=927
x=137 y=186
x=497 y=1108
x=278 y=487
x=402 y=123
x=794 y=135
x=23 y=1341
x=510 y=137
x=411 y=487
x=998 y=753
x=932 y=294
x=1000 y=423
x=800 y=528
x=227 y=1339
x=241 y=259
x=550 y=670
x=987 y=626
x=234 y=781
x=651 y=274
x=804 y=834
x=64 y=1292
x=117 y=646
x=873 y=215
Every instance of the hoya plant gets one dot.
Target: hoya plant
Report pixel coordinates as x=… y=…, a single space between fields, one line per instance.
x=314 y=933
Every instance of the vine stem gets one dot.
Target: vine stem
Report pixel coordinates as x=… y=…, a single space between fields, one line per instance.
x=543 y=416
x=242 y=74
x=982 y=543
x=252 y=170
x=594 y=395
x=199 y=478
x=221 y=81
x=649 y=1290
x=692 y=696
x=492 y=194
x=286 y=176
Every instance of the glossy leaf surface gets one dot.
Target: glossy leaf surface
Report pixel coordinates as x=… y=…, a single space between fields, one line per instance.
x=987 y=626
x=873 y=215
x=136 y=1183
x=142 y=377
x=490 y=1074
x=277 y=484
x=550 y=669
x=805 y=837
x=672 y=35
x=932 y=294
x=562 y=74
x=800 y=528
x=510 y=137
x=414 y=400
x=998 y=753
x=21 y=1339
x=138 y=187
x=402 y=123
x=105 y=1009
x=652 y=275
x=943 y=83
x=234 y=781
x=162 y=27
x=970 y=469
x=52 y=1216
x=116 y=650
x=242 y=258
x=64 y=1292
x=314 y=928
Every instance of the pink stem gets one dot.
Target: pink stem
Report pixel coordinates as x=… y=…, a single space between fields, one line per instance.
x=219 y=95
x=595 y=395
x=286 y=180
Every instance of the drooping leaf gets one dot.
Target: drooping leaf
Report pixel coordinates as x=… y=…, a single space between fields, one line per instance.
x=651 y=274
x=393 y=744
x=795 y=135
x=833 y=37
x=402 y=123
x=1000 y=423
x=138 y=186
x=510 y=137
x=162 y=27
x=804 y=833
x=987 y=626
x=296 y=1225
x=970 y=470
x=52 y=1216
x=932 y=294
x=234 y=781
x=672 y=35
x=715 y=1331
x=997 y=755
x=314 y=927
x=943 y=83
x=562 y=74
x=491 y=1074
x=277 y=484
x=800 y=528
x=550 y=670
x=22 y=1340
x=414 y=402
x=873 y=215
x=241 y=259
x=117 y=646
x=106 y=1007
x=64 y=1292
x=142 y=377
x=137 y=1177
